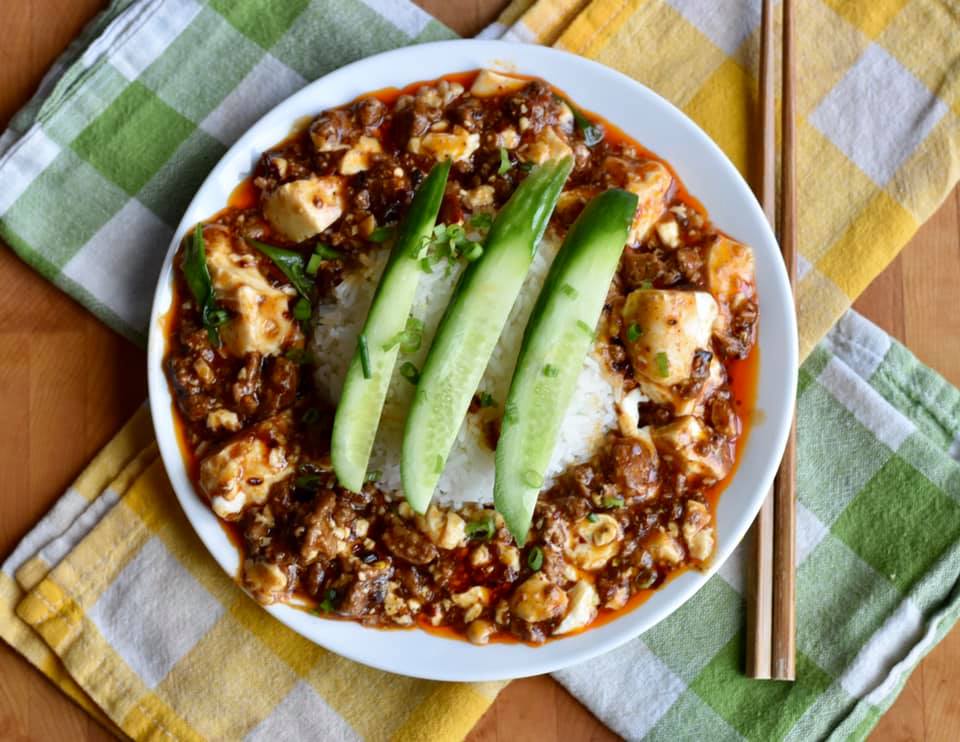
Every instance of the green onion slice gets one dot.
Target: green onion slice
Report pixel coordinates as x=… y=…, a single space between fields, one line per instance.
x=535 y=558
x=481 y=529
x=290 y=263
x=663 y=364
x=410 y=372
x=382 y=234
x=365 y=357
x=505 y=164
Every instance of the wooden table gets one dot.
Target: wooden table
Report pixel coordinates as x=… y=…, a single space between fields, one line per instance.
x=67 y=383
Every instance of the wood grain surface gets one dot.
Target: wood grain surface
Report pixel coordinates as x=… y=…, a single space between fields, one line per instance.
x=67 y=383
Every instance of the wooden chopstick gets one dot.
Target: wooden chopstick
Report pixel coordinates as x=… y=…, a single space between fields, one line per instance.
x=760 y=592
x=771 y=612
x=783 y=664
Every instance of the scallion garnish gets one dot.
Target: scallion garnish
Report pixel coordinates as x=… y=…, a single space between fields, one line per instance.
x=301 y=310
x=663 y=364
x=585 y=327
x=381 y=234
x=311 y=416
x=634 y=332
x=505 y=164
x=326 y=252
x=307 y=481
x=290 y=263
x=646 y=285
x=299 y=355
x=449 y=242
x=481 y=220
x=592 y=517
x=487 y=400
x=474 y=252
x=410 y=372
x=373 y=476
x=198 y=281
x=364 y=357
x=592 y=133
x=525 y=166
x=481 y=529
x=409 y=338
x=535 y=558
x=313 y=265
x=551 y=371
x=613 y=501
x=326 y=605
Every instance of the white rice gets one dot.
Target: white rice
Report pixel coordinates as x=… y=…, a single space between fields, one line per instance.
x=469 y=473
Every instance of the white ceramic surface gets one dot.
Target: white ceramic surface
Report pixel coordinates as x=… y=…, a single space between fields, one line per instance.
x=709 y=176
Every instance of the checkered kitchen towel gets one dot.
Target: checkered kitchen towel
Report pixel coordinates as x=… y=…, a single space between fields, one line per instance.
x=125 y=129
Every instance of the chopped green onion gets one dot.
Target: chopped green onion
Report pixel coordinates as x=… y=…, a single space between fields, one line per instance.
x=481 y=529
x=218 y=317
x=425 y=265
x=381 y=234
x=313 y=265
x=613 y=501
x=301 y=310
x=505 y=164
x=299 y=355
x=486 y=400
x=290 y=263
x=409 y=338
x=551 y=371
x=532 y=478
x=474 y=252
x=663 y=364
x=307 y=481
x=326 y=252
x=646 y=285
x=410 y=372
x=311 y=416
x=481 y=220
x=592 y=133
x=569 y=291
x=535 y=558
x=585 y=327
x=592 y=517
x=373 y=476
x=198 y=280
x=364 y=357
x=634 y=332
x=326 y=605
x=525 y=166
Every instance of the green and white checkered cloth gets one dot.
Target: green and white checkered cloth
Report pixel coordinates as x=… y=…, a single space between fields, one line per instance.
x=97 y=170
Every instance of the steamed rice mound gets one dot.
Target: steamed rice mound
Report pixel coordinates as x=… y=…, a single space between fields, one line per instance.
x=469 y=472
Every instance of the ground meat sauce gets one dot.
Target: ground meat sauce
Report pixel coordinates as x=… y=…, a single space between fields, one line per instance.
x=607 y=533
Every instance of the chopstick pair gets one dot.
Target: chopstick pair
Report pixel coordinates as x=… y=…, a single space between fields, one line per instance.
x=771 y=609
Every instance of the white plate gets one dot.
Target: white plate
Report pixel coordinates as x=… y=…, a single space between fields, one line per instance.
x=709 y=176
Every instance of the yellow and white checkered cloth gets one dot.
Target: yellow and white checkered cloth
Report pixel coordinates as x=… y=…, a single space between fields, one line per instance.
x=93 y=596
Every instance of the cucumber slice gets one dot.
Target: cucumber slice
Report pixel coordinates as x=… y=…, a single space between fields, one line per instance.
x=368 y=377
x=470 y=328
x=555 y=341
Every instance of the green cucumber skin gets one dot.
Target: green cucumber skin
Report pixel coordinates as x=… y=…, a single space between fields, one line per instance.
x=536 y=404
x=361 y=402
x=470 y=328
